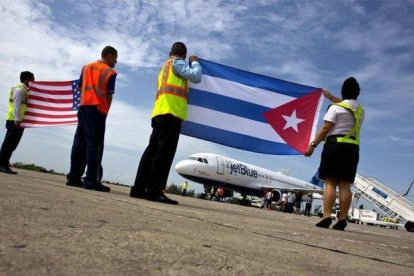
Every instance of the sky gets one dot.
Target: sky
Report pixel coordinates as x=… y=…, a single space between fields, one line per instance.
x=316 y=43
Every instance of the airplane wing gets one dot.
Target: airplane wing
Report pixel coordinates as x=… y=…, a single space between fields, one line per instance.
x=317 y=191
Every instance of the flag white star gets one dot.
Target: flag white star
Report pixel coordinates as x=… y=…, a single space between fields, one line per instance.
x=292 y=121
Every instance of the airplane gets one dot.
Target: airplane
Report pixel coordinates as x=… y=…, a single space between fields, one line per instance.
x=409 y=188
x=215 y=170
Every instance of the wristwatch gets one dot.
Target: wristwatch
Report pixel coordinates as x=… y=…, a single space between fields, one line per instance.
x=314 y=145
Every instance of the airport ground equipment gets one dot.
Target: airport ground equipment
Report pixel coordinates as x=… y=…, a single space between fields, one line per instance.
x=391 y=203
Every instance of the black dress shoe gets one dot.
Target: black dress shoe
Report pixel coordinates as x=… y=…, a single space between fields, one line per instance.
x=162 y=198
x=74 y=182
x=340 y=225
x=98 y=187
x=325 y=223
x=5 y=169
x=137 y=194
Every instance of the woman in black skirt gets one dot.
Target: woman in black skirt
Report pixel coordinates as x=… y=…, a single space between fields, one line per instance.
x=340 y=154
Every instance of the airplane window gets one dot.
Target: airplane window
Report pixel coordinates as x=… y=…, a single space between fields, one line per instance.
x=205 y=160
x=200 y=159
x=192 y=158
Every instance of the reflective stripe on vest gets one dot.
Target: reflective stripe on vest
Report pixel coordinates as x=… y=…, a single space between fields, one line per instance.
x=10 y=111
x=94 y=90
x=355 y=131
x=172 y=92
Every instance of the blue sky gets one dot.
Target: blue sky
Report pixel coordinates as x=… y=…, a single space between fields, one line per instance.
x=317 y=43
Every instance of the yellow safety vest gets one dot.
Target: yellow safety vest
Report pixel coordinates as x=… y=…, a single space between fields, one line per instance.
x=10 y=112
x=172 y=92
x=355 y=131
x=184 y=185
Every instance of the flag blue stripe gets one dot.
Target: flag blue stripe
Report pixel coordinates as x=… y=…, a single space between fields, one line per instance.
x=227 y=105
x=255 y=80
x=235 y=140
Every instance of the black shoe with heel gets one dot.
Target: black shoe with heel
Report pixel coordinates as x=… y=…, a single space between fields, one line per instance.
x=324 y=223
x=74 y=182
x=6 y=169
x=138 y=193
x=97 y=187
x=161 y=198
x=340 y=225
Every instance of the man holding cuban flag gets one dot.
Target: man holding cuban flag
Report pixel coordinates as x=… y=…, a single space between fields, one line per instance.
x=252 y=112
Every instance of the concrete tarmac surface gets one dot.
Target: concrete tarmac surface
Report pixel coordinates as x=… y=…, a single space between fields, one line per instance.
x=48 y=228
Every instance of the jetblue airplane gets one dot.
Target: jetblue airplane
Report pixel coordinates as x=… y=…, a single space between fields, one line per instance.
x=216 y=170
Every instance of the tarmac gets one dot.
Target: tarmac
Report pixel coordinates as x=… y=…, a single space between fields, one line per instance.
x=48 y=228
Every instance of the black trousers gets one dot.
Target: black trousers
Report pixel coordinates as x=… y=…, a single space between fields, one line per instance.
x=88 y=146
x=155 y=164
x=10 y=143
x=308 y=207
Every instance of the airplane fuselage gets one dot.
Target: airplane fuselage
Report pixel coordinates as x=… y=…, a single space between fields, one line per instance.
x=216 y=170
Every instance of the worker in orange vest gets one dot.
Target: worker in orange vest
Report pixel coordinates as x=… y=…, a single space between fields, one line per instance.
x=97 y=85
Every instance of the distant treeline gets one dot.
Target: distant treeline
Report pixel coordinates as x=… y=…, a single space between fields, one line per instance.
x=33 y=167
x=172 y=188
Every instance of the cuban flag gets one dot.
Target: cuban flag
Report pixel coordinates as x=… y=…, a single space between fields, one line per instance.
x=252 y=112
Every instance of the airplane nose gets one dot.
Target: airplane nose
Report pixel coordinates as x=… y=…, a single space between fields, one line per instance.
x=180 y=167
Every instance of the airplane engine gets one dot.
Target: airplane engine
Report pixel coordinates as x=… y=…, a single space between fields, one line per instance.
x=409 y=226
x=277 y=196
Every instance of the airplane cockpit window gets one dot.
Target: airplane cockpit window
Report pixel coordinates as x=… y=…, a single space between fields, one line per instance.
x=200 y=159
x=205 y=160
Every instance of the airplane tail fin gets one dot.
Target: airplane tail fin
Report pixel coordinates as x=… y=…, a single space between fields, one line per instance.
x=409 y=188
x=316 y=180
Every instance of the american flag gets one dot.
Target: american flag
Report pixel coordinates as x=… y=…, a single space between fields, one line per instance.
x=52 y=104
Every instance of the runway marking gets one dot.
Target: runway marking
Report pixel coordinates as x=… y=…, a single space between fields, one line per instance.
x=374 y=243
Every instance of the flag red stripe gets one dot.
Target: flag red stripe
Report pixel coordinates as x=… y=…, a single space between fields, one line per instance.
x=53 y=83
x=35 y=122
x=41 y=115
x=48 y=107
x=51 y=92
x=49 y=100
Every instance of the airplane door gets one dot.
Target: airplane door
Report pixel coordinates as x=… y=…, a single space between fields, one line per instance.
x=220 y=165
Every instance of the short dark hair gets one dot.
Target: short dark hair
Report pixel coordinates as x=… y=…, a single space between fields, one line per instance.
x=179 y=49
x=350 y=89
x=25 y=76
x=108 y=50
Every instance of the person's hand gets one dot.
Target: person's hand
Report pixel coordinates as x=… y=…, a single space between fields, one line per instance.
x=17 y=124
x=193 y=58
x=309 y=151
x=327 y=94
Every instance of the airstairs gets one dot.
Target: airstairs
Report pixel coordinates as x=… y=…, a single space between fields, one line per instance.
x=391 y=203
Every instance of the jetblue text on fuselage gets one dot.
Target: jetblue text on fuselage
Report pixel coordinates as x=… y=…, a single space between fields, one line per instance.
x=242 y=169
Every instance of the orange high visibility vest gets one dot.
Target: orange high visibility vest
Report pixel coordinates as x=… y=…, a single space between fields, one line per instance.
x=94 y=89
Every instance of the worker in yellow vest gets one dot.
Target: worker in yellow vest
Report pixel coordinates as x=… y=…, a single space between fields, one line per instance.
x=17 y=106
x=184 y=187
x=170 y=109
x=340 y=155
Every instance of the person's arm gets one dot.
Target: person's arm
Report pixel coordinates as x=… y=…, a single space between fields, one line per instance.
x=17 y=100
x=320 y=136
x=331 y=96
x=191 y=73
x=111 y=89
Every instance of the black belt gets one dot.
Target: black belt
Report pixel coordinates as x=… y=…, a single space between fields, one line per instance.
x=332 y=138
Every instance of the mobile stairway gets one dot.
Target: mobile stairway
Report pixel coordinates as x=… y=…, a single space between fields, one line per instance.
x=391 y=203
